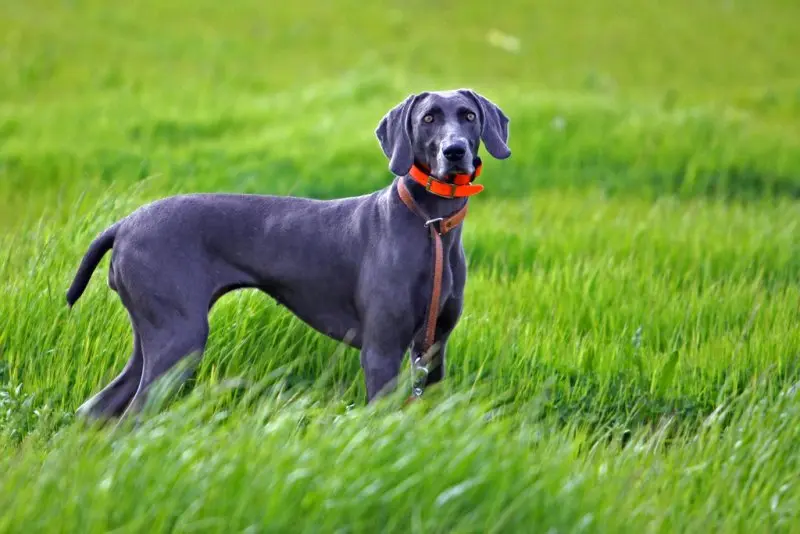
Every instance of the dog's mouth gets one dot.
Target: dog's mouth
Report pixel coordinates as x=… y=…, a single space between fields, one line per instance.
x=457 y=170
x=454 y=171
x=449 y=172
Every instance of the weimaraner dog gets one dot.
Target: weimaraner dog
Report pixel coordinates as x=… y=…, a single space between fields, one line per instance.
x=355 y=269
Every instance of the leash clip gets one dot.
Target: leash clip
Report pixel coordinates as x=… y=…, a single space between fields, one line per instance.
x=420 y=373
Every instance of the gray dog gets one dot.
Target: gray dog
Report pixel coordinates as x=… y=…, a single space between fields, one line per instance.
x=356 y=269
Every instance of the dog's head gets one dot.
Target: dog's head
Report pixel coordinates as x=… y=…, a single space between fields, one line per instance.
x=442 y=131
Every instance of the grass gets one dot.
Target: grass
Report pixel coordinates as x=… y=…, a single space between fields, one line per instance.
x=629 y=355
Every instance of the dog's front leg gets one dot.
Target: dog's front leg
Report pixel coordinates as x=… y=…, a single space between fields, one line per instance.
x=381 y=366
x=388 y=330
x=383 y=350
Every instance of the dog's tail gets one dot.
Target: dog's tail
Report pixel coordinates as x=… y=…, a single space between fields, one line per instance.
x=97 y=250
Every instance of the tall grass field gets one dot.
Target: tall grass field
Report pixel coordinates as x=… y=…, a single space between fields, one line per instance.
x=629 y=355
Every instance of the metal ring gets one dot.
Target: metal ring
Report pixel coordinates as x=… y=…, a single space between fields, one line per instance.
x=433 y=221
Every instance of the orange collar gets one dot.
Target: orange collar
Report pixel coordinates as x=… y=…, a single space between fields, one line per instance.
x=461 y=186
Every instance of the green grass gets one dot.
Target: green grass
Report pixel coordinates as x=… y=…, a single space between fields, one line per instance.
x=629 y=356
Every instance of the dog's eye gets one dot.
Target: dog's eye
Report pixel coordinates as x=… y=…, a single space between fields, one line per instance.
x=428 y=118
x=470 y=116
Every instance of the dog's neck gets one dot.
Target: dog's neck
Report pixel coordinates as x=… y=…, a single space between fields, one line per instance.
x=434 y=205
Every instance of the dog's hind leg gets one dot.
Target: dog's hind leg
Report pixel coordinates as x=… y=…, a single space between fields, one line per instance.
x=164 y=346
x=114 y=398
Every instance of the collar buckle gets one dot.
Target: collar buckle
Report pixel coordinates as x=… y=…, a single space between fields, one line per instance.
x=431 y=180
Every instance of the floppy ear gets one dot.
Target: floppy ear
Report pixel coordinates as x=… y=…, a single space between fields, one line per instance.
x=494 y=125
x=394 y=135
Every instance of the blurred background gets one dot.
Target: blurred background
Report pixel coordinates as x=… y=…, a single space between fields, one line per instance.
x=679 y=97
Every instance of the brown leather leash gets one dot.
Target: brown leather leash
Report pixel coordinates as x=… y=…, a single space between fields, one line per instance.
x=437 y=227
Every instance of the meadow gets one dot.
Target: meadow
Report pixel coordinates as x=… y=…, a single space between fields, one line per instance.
x=629 y=355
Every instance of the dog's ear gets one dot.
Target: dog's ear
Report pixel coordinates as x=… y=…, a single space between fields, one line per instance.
x=494 y=125
x=394 y=135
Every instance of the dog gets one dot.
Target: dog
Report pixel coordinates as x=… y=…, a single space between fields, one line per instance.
x=356 y=269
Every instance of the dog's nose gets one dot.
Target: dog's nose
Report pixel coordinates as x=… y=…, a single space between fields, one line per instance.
x=455 y=151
